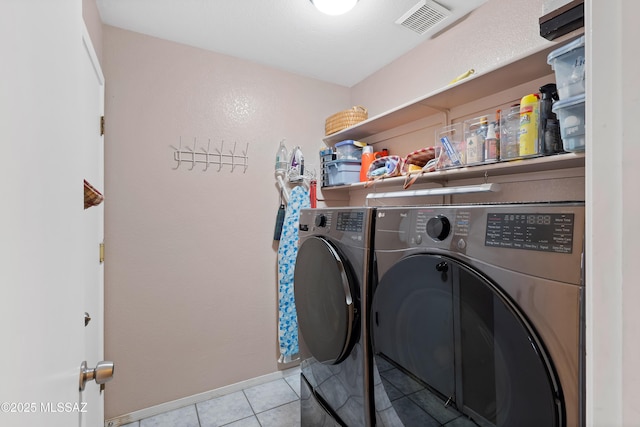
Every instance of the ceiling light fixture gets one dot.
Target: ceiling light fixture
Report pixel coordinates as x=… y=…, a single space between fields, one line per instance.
x=334 y=7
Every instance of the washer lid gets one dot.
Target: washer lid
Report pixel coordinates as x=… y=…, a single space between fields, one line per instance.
x=326 y=291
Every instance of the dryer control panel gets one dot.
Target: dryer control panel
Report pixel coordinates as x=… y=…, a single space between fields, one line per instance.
x=548 y=232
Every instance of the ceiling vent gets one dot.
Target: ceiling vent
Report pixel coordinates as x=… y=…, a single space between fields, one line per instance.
x=425 y=17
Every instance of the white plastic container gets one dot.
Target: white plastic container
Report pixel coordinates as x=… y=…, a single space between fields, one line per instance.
x=571 y=115
x=342 y=172
x=568 y=64
x=348 y=149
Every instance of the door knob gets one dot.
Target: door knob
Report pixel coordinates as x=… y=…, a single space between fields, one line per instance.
x=102 y=373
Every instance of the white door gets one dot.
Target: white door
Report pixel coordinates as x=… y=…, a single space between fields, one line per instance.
x=92 y=93
x=41 y=214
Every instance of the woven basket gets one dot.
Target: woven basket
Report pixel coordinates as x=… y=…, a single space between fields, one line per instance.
x=92 y=197
x=345 y=119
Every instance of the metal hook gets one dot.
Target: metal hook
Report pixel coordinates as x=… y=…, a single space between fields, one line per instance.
x=206 y=154
x=220 y=155
x=233 y=156
x=177 y=154
x=245 y=159
x=193 y=154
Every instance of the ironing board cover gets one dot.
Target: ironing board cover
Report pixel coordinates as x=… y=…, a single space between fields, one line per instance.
x=287 y=252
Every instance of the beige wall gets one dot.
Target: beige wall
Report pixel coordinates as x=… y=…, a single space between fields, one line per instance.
x=493 y=34
x=190 y=272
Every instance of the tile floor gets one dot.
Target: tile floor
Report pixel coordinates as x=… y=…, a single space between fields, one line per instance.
x=273 y=404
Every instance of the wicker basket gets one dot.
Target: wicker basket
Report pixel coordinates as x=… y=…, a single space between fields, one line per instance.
x=345 y=119
x=92 y=197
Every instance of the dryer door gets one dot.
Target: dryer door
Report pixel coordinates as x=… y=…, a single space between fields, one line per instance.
x=326 y=296
x=458 y=340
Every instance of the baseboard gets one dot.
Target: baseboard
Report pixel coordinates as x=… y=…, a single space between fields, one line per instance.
x=197 y=398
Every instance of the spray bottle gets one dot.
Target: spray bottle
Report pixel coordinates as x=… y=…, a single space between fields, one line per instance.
x=491 y=145
x=529 y=120
x=549 y=129
x=282 y=157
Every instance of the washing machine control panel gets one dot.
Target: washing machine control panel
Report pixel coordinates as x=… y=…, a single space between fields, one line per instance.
x=326 y=221
x=350 y=221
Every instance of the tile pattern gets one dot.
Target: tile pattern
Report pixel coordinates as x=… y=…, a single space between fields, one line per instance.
x=277 y=404
x=273 y=404
x=410 y=403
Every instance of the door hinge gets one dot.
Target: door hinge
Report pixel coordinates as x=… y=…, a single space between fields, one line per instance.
x=101 y=252
x=101 y=125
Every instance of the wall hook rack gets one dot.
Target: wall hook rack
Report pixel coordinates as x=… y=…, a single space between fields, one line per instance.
x=191 y=156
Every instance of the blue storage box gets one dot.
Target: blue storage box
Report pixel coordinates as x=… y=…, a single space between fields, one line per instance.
x=342 y=171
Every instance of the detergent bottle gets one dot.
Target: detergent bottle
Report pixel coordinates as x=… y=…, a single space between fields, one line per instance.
x=367 y=158
x=529 y=118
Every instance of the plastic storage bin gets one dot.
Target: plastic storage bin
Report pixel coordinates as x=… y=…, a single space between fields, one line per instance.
x=478 y=148
x=568 y=64
x=451 y=148
x=570 y=114
x=348 y=150
x=509 y=132
x=342 y=171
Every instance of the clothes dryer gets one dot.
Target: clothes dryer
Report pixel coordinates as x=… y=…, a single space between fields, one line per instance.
x=331 y=287
x=477 y=319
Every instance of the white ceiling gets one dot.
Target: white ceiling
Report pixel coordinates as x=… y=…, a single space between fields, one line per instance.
x=290 y=35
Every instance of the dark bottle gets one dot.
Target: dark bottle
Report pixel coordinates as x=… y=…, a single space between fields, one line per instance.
x=551 y=143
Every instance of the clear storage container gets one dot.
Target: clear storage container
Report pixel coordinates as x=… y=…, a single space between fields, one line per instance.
x=509 y=132
x=568 y=64
x=571 y=115
x=451 y=149
x=348 y=149
x=476 y=131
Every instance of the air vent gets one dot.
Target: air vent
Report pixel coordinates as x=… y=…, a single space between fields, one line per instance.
x=425 y=16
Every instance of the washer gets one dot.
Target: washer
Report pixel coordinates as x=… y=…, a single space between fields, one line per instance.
x=332 y=289
x=477 y=318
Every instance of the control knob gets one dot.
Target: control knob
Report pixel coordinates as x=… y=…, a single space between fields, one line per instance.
x=438 y=227
x=321 y=220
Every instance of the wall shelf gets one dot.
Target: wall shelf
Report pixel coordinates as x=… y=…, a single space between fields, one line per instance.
x=537 y=164
x=480 y=85
x=519 y=71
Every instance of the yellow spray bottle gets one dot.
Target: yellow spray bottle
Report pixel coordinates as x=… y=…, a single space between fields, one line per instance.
x=529 y=117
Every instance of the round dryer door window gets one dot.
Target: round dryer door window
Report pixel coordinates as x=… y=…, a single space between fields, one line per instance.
x=460 y=339
x=326 y=296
